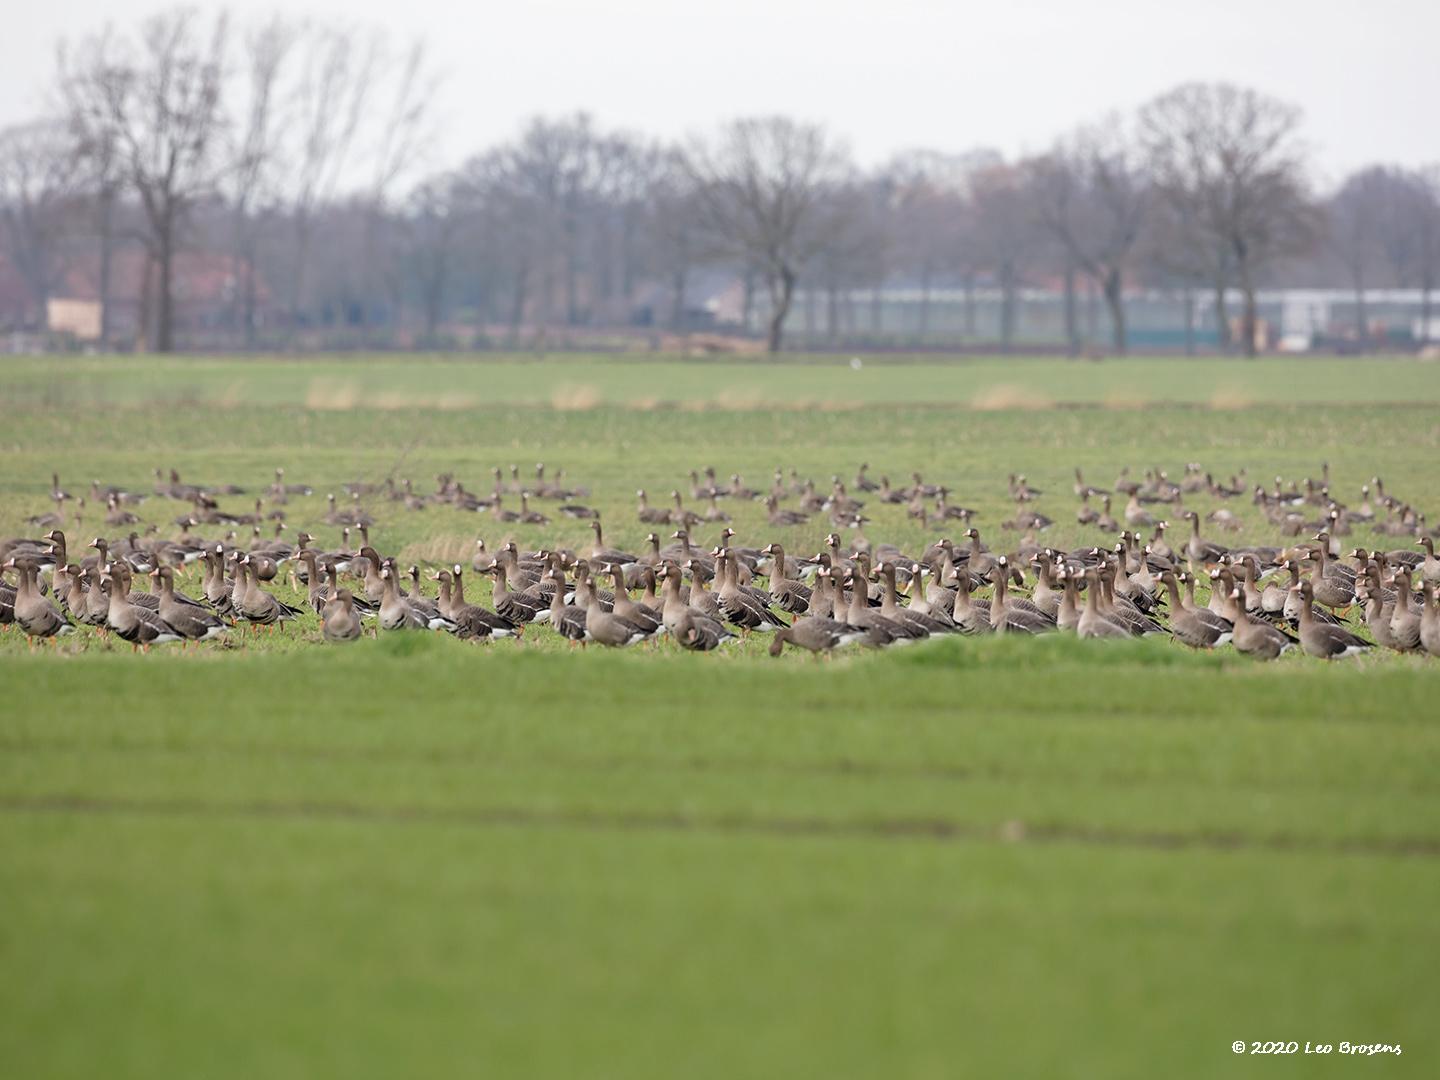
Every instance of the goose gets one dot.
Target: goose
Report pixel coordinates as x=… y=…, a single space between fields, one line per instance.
x=1404 y=620
x=927 y=598
x=815 y=635
x=528 y=516
x=860 y=616
x=1429 y=619
x=1325 y=640
x=567 y=619
x=34 y=613
x=1197 y=549
x=692 y=627
x=787 y=594
x=1106 y=521
x=1092 y=622
x=254 y=604
x=338 y=622
x=470 y=620
x=781 y=518
x=863 y=482
x=399 y=612
x=1086 y=514
x=970 y=615
x=1199 y=628
x=650 y=515
x=470 y=617
x=1255 y=638
x=606 y=627
x=190 y=620
x=922 y=623
x=1136 y=515
x=647 y=622
x=141 y=627
x=515 y=608
x=740 y=607
x=598 y=552
x=1430 y=567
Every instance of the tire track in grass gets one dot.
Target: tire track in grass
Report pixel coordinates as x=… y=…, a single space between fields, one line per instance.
x=933 y=829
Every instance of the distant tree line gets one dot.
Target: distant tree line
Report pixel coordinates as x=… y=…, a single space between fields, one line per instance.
x=298 y=156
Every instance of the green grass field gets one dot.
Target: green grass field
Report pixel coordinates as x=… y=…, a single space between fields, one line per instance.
x=423 y=857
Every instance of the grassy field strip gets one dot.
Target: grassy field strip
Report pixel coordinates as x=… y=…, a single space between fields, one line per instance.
x=986 y=937
x=578 y=384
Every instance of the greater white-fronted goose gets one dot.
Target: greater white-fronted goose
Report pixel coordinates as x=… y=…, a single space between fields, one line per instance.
x=471 y=620
x=1404 y=620
x=1092 y=622
x=1198 y=627
x=1429 y=619
x=190 y=620
x=1430 y=566
x=647 y=622
x=1199 y=550
x=1255 y=638
x=1325 y=640
x=338 y=622
x=399 y=613
x=920 y=621
x=650 y=515
x=1106 y=521
x=740 y=606
x=815 y=635
x=692 y=627
x=141 y=627
x=254 y=604
x=33 y=612
x=515 y=608
x=567 y=619
x=598 y=552
x=468 y=616
x=786 y=593
x=606 y=627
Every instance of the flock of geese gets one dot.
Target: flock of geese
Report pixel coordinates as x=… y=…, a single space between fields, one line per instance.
x=1263 y=600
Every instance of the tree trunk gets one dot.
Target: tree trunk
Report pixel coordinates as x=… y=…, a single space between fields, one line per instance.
x=1362 y=318
x=517 y=304
x=143 y=335
x=1249 y=317
x=165 y=325
x=1425 y=287
x=1007 y=309
x=832 y=313
x=782 y=292
x=876 y=313
x=1115 y=300
x=747 y=306
x=1188 y=299
x=970 y=315
x=1222 y=319
x=677 y=299
x=924 y=328
x=107 y=251
x=1072 y=326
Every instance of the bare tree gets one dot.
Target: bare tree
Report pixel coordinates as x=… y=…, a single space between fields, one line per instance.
x=1232 y=158
x=38 y=188
x=1004 y=237
x=250 y=182
x=159 y=97
x=1092 y=197
x=759 y=184
x=429 y=249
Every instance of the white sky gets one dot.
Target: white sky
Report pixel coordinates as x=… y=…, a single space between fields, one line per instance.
x=887 y=74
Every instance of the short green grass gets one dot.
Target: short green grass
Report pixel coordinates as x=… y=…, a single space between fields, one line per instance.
x=423 y=857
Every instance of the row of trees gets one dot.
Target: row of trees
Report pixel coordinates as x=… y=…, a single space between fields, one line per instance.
x=298 y=153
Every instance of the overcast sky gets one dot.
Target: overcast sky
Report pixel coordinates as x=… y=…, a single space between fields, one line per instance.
x=888 y=74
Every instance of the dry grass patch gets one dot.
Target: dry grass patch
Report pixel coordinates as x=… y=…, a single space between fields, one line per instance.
x=575 y=397
x=1006 y=396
